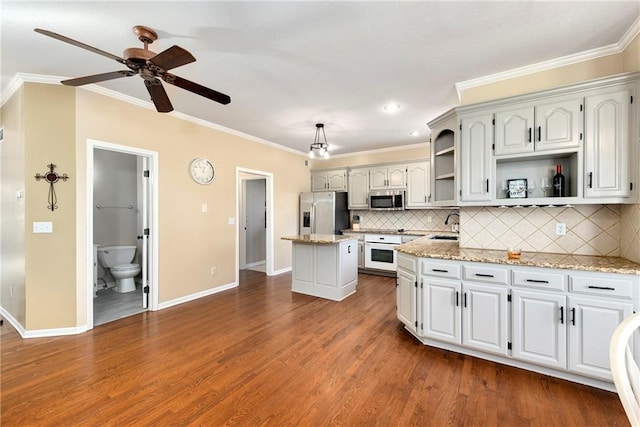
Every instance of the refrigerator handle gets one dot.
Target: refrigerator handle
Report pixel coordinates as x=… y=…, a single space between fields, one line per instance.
x=313 y=218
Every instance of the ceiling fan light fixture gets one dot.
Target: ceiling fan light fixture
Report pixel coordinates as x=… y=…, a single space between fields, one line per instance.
x=319 y=146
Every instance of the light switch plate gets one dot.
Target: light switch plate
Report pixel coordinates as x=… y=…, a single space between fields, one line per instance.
x=561 y=229
x=43 y=227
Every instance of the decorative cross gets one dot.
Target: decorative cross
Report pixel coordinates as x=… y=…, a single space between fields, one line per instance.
x=52 y=177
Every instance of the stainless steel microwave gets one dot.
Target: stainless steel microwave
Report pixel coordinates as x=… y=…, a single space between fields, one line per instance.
x=386 y=200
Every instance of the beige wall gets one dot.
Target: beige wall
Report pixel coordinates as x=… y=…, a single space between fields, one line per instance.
x=631 y=56
x=407 y=153
x=13 y=210
x=191 y=242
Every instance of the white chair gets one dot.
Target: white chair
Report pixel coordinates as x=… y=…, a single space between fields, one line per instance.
x=626 y=375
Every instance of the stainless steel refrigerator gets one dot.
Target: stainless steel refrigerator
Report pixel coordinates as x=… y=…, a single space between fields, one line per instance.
x=323 y=212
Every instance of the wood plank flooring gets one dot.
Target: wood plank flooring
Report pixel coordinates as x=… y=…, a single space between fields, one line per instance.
x=262 y=355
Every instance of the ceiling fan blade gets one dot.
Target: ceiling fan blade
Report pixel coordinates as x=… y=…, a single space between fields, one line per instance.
x=196 y=88
x=158 y=95
x=173 y=57
x=97 y=78
x=79 y=44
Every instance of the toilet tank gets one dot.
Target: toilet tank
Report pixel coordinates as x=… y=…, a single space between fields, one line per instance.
x=115 y=255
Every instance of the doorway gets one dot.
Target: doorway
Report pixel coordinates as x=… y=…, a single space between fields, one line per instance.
x=121 y=214
x=254 y=209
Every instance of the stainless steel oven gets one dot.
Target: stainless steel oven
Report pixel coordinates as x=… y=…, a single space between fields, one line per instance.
x=379 y=251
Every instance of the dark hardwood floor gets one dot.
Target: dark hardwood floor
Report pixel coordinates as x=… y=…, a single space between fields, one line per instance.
x=262 y=355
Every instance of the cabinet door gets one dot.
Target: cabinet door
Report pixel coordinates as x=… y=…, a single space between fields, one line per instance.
x=514 y=131
x=539 y=328
x=337 y=180
x=475 y=145
x=378 y=178
x=406 y=303
x=418 y=193
x=558 y=125
x=348 y=263
x=591 y=325
x=606 y=150
x=397 y=177
x=319 y=181
x=485 y=318
x=441 y=319
x=358 y=188
x=360 y=254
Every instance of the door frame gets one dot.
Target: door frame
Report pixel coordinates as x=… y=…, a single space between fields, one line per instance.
x=152 y=270
x=269 y=232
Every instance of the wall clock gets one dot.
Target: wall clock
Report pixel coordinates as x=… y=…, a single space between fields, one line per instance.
x=202 y=171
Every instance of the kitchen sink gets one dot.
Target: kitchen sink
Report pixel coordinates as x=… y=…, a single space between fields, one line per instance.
x=443 y=237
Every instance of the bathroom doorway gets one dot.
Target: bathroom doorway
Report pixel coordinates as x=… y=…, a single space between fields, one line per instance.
x=255 y=222
x=121 y=195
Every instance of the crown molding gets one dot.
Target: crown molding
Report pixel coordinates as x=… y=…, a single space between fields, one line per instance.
x=563 y=61
x=20 y=78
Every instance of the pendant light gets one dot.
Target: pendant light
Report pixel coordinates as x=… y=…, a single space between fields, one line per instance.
x=318 y=147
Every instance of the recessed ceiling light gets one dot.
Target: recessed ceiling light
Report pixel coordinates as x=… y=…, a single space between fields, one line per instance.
x=391 y=107
x=415 y=133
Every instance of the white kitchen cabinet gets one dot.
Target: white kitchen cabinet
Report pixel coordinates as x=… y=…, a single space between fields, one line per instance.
x=358 y=188
x=418 y=185
x=442 y=316
x=548 y=125
x=360 y=238
x=607 y=147
x=539 y=333
x=485 y=318
x=329 y=180
x=476 y=138
x=406 y=299
x=444 y=181
x=591 y=325
x=388 y=177
x=325 y=270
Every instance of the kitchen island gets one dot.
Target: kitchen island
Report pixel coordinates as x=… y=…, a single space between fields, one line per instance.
x=324 y=265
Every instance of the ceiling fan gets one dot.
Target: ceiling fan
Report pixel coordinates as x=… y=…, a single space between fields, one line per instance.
x=147 y=64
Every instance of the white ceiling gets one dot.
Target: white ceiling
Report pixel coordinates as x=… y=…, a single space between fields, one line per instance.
x=288 y=65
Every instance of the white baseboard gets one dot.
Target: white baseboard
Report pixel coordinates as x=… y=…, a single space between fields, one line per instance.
x=281 y=271
x=40 y=333
x=197 y=295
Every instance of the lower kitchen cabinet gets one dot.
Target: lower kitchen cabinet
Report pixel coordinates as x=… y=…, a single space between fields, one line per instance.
x=557 y=322
x=539 y=330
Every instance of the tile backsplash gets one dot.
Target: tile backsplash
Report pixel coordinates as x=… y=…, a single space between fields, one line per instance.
x=591 y=229
x=630 y=232
x=419 y=219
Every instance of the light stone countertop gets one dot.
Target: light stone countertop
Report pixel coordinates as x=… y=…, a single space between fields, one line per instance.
x=426 y=248
x=322 y=239
x=393 y=231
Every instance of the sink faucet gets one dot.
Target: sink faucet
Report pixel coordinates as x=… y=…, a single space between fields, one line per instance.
x=446 y=221
x=454 y=226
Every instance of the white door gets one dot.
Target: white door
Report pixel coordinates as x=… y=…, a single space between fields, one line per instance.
x=475 y=145
x=255 y=221
x=397 y=177
x=559 y=125
x=539 y=328
x=418 y=185
x=358 y=189
x=378 y=178
x=485 y=317
x=514 y=131
x=144 y=211
x=442 y=312
x=591 y=325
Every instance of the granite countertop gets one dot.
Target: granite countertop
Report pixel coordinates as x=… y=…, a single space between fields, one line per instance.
x=392 y=231
x=426 y=248
x=324 y=239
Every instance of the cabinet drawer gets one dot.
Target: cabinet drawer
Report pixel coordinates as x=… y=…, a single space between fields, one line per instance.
x=609 y=287
x=449 y=270
x=407 y=262
x=486 y=274
x=540 y=279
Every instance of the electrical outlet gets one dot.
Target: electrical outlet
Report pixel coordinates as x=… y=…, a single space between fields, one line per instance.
x=214 y=270
x=429 y=219
x=561 y=229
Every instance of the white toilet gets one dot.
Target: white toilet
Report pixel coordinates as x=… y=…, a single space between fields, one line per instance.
x=118 y=260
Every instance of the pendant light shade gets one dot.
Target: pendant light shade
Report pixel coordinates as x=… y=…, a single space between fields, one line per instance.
x=319 y=147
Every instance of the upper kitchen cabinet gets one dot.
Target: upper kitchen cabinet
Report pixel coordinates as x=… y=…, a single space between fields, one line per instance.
x=329 y=180
x=359 y=188
x=553 y=124
x=607 y=149
x=388 y=177
x=476 y=139
x=418 y=184
x=443 y=159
